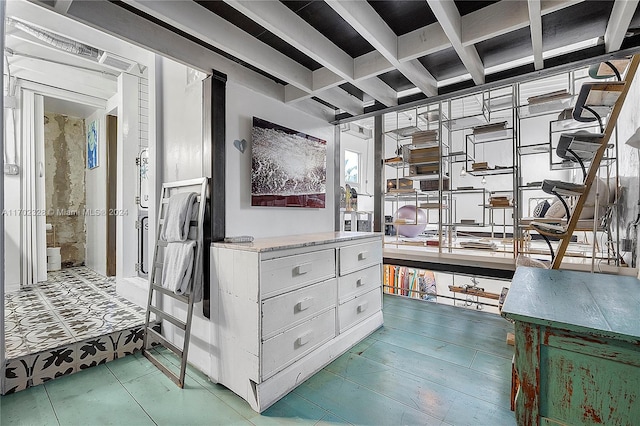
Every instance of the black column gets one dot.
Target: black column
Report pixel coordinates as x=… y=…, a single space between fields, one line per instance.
x=214 y=104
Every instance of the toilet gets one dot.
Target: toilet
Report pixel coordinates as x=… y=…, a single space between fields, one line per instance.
x=54 y=259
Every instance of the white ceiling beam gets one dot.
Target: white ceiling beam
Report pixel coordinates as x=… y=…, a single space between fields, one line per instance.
x=421 y=42
x=343 y=100
x=111 y=20
x=503 y=17
x=535 y=17
x=366 y=21
x=447 y=14
x=370 y=65
x=284 y=23
x=69 y=84
x=618 y=24
x=194 y=19
x=62 y=6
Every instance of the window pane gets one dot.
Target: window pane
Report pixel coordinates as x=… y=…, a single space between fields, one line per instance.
x=351 y=160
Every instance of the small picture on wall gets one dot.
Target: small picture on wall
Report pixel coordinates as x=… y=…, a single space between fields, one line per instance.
x=92 y=145
x=288 y=168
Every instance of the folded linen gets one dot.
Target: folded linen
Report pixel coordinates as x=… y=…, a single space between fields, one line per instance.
x=178 y=216
x=177 y=270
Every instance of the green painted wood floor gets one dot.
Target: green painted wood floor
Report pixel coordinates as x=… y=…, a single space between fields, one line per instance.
x=429 y=364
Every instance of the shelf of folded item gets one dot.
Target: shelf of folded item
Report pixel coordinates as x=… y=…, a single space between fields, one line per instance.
x=428 y=176
x=498 y=103
x=597 y=96
x=395 y=163
x=546 y=105
x=539 y=148
x=549 y=229
x=498 y=170
x=567 y=189
x=463 y=123
x=497 y=135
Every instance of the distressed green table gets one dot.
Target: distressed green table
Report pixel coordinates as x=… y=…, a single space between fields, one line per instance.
x=577 y=347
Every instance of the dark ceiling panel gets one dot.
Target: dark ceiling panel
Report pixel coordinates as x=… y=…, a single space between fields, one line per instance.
x=467 y=6
x=244 y=23
x=506 y=47
x=396 y=80
x=635 y=21
x=352 y=90
x=238 y=19
x=325 y=103
x=403 y=16
x=576 y=23
x=444 y=64
x=247 y=25
x=290 y=51
x=324 y=19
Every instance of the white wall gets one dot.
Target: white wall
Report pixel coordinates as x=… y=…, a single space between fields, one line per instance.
x=96 y=200
x=12 y=189
x=181 y=123
x=241 y=217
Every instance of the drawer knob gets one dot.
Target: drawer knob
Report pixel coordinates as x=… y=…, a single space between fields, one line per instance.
x=363 y=307
x=363 y=255
x=304 y=339
x=360 y=282
x=303 y=269
x=304 y=304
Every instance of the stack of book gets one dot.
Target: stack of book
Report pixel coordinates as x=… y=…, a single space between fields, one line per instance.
x=499 y=201
x=422 y=155
x=480 y=166
x=424 y=137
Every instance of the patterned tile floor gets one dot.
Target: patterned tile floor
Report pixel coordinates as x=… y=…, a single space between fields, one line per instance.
x=73 y=305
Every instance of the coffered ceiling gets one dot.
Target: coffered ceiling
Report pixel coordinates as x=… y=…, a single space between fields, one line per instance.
x=359 y=56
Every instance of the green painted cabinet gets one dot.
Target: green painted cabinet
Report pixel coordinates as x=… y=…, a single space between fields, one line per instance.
x=577 y=347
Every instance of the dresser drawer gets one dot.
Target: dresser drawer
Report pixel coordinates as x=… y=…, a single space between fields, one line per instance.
x=288 y=273
x=356 y=310
x=359 y=282
x=284 y=348
x=360 y=256
x=292 y=308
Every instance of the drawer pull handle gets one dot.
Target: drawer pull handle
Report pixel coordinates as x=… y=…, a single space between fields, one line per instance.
x=360 y=282
x=363 y=255
x=362 y=307
x=303 y=269
x=304 y=339
x=304 y=304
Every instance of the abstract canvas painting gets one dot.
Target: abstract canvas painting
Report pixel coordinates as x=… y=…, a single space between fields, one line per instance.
x=92 y=145
x=288 y=169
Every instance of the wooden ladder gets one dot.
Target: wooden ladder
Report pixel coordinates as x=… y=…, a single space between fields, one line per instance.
x=582 y=190
x=152 y=337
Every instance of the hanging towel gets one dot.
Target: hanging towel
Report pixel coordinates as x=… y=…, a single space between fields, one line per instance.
x=178 y=266
x=178 y=215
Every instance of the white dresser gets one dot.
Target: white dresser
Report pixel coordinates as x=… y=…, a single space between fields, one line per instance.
x=283 y=308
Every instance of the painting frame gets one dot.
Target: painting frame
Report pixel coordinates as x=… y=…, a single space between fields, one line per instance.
x=288 y=167
x=93 y=144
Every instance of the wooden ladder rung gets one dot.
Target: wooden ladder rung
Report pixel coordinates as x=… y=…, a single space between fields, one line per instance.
x=167 y=344
x=173 y=320
x=170 y=374
x=170 y=293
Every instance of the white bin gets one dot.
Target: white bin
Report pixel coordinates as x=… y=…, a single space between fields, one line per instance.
x=54 y=259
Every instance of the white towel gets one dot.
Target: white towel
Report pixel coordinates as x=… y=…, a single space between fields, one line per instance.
x=178 y=216
x=178 y=266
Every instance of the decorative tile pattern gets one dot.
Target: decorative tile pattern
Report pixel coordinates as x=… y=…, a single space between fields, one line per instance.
x=73 y=321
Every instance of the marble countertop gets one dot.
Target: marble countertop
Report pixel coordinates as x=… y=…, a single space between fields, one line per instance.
x=296 y=241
